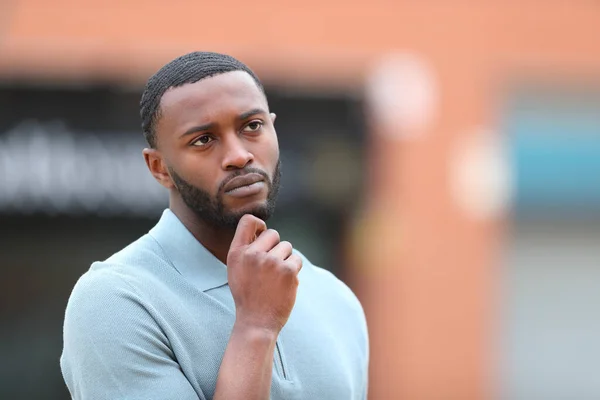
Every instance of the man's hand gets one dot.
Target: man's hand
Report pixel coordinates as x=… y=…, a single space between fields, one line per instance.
x=263 y=275
x=263 y=279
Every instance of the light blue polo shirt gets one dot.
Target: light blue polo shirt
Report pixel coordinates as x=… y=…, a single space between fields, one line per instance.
x=153 y=321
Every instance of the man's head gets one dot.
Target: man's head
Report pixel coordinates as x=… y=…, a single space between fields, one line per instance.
x=211 y=136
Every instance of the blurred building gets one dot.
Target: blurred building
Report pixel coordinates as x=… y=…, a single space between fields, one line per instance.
x=442 y=158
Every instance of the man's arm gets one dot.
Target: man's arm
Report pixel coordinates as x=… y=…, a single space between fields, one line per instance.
x=247 y=365
x=114 y=349
x=263 y=278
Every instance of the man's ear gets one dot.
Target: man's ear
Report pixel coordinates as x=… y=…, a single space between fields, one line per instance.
x=273 y=117
x=158 y=168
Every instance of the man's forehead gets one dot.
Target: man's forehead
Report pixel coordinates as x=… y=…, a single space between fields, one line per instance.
x=228 y=86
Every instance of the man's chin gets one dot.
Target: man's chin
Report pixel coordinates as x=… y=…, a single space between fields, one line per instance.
x=261 y=212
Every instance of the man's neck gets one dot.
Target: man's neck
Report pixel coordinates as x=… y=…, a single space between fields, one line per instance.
x=215 y=240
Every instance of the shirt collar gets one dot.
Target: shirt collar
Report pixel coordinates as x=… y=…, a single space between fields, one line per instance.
x=189 y=257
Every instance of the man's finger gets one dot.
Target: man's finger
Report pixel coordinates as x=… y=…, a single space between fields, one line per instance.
x=295 y=261
x=282 y=251
x=266 y=240
x=247 y=230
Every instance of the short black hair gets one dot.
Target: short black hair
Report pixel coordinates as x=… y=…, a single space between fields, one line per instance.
x=188 y=68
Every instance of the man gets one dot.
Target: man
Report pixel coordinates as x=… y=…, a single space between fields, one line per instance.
x=211 y=304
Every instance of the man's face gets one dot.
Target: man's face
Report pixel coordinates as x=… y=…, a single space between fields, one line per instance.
x=217 y=140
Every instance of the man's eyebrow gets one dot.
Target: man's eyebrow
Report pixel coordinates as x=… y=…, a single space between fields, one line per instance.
x=210 y=125
x=252 y=112
x=198 y=128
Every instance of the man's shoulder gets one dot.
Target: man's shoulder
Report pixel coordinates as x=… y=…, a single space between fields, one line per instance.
x=330 y=282
x=144 y=250
x=138 y=259
x=122 y=273
x=103 y=281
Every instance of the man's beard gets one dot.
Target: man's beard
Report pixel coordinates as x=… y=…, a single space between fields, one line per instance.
x=212 y=210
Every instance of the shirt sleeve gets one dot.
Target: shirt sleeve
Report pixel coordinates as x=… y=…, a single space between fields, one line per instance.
x=113 y=347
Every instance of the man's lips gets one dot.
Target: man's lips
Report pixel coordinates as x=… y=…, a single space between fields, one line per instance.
x=243 y=180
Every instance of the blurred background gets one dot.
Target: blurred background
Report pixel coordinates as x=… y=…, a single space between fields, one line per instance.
x=442 y=158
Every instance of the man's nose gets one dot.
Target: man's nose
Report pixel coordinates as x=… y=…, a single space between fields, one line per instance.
x=237 y=156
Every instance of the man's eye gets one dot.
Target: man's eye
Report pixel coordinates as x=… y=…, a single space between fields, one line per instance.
x=203 y=140
x=253 y=126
